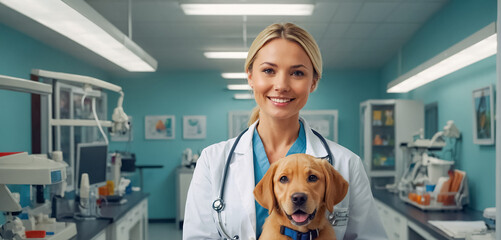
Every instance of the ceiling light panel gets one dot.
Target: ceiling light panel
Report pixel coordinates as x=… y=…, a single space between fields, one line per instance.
x=249 y=9
x=478 y=46
x=237 y=75
x=226 y=55
x=79 y=22
x=238 y=87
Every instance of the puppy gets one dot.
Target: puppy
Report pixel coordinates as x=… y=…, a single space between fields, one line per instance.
x=297 y=190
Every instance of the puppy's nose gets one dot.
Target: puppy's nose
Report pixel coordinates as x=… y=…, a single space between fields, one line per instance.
x=299 y=198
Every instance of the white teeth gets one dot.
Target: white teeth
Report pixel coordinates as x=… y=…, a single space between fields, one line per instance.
x=280 y=100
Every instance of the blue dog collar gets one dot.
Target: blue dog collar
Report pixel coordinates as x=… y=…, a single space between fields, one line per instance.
x=295 y=235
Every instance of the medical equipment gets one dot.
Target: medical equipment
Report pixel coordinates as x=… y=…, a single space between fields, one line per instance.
x=218 y=204
x=21 y=168
x=428 y=168
x=189 y=159
x=120 y=122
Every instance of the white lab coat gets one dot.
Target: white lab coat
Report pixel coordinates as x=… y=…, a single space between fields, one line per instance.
x=239 y=214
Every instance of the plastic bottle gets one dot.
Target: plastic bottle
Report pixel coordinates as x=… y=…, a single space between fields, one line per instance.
x=84 y=195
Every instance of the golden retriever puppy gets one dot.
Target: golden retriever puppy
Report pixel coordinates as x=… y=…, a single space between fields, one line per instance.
x=297 y=190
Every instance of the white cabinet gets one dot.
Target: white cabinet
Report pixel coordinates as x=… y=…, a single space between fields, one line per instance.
x=132 y=226
x=183 y=180
x=394 y=223
x=100 y=236
x=384 y=124
x=397 y=225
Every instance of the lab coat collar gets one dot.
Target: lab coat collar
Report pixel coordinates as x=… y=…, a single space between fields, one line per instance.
x=314 y=146
x=245 y=143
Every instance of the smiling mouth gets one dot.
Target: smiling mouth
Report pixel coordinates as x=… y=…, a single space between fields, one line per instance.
x=281 y=100
x=300 y=218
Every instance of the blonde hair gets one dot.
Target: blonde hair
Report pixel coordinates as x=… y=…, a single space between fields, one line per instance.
x=292 y=33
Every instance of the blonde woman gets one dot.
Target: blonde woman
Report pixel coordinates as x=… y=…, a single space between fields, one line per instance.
x=284 y=66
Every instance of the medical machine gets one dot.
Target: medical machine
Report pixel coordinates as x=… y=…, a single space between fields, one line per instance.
x=21 y=168
x=430 y=182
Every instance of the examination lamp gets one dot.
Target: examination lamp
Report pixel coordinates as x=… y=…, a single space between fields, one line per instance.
x=78 y=21
x=476 y=47
x=249 y=9
x=120 y=122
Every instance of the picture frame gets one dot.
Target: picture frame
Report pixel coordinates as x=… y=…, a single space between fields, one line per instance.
x=483 y=116
x=237 y=122
x=324 y=122
x=195 y=127
x=159 y=127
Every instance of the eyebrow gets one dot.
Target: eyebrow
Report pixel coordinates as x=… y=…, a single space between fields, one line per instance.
x=275 y=65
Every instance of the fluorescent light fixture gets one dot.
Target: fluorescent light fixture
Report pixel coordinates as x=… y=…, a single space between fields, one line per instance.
x=249 y=9
x=78 y=21
x=476 y=47
x=239 y=87
x=226 y=55
x=241 y=96
x=241 y=75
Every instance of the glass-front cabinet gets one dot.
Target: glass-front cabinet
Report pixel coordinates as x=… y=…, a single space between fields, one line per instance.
x=384 y=125
x=72 y=103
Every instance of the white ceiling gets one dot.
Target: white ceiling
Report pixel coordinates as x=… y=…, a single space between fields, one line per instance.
x=352 y=34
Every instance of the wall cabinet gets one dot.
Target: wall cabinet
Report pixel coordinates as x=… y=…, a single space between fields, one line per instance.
x=384 y=124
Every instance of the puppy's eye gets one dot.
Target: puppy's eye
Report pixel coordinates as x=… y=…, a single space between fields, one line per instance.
x=312 y=178
x=284 y=179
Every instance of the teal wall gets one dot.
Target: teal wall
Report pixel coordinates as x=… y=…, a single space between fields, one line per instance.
x=203 y=93
x=453 y=93
x=19 y=54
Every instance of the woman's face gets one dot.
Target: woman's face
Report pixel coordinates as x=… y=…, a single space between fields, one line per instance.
x=282 y=79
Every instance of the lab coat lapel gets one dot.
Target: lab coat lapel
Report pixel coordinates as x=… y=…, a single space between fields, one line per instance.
x=314 y=146
x=243 y=165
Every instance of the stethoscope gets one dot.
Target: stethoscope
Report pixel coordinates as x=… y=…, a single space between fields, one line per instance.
x=218 y=204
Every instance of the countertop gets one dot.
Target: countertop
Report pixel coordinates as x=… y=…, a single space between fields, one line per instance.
x=421 y=218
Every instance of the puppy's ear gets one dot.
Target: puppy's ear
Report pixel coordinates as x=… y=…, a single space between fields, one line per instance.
x=263 y=192
x=336 y=187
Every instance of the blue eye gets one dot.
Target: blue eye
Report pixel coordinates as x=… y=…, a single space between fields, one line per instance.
x=298 y=73
x=268 y=71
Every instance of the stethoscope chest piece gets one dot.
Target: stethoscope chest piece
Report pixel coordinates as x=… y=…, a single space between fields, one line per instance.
x=218 y=205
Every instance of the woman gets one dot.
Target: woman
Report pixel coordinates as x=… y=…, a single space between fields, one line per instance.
x=284 y=66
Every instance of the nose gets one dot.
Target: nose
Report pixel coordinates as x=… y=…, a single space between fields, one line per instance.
x=299 y=198
x=282 y=82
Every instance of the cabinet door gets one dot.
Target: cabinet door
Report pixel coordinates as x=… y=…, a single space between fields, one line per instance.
x=383 y=137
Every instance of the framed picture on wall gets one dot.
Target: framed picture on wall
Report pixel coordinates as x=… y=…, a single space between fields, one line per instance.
x=194 y=127
x=483 y=116
x=322 y=121
x=159 y=127
x=237 y=122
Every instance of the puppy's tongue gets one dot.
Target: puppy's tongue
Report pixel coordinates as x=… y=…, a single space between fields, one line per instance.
x=299 y=217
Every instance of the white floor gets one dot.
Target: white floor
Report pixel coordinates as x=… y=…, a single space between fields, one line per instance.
x=161 y=231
